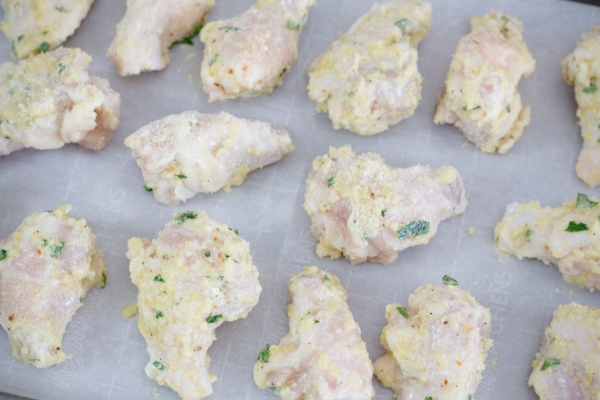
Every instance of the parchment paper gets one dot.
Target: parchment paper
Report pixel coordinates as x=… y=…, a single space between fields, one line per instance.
x=107 y=352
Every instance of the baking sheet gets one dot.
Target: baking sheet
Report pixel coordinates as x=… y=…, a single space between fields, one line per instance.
x=108 y=353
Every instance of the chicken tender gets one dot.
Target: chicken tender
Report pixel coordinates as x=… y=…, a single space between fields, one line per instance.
x=581 y=68
x=50 y=100
x=436 y=349
x=195 y=275
x=46 y=268
x=568 y=364
x=368 y=79
x=323 y=356
x=566 y=237
x=249 y=55
x=366 y=210
x=150 y=27
x=34 y=26
x=481 y=96
x=183 y=154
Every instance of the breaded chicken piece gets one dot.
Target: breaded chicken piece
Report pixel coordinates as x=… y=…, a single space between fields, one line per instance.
x=323 y=356
x=581 y=68
x=195 y=275
x=366 y=210
x=150 y=27
x=49 y=100
x=481 y=96
x=46 y=268
x=34 y=26
x=249 y=55
x=183 y=154
x=566 y=237
x=436 y=349
x=568 y=363
x=368 y=79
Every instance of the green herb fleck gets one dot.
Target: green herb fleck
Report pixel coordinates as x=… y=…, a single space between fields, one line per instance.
x=412 y=229
x=548 y=362
x=214 y=59
x=181 y=218
x=326 y=278
x=158 y=278
x=291 y=25
x=283 y=72
x=44 y=242
x=317 y=321
x=263 y=356
x=505 y=18
x=207 y=254
x=584 y=202
x=213 y=318
x=62 y=67
x=402 y=311
x=228 y=29
x=508 y=108
x=43 y=47
x=181 y=176
x=383 y=212
x=147 y=188
x=158 y=366
x=19 y=38
x=330 y=181
x=103 y=281
x=465 y=108
x=159 y=314
x=528 y=234
x=404 y=25
x=428 y=398
x=276 y=389
x=56 y=250
x=220 y=277
x=576 y=227
x=350 y=94
x=448 y=280
x=590 y=89
x=234 y=230
x=62 y=10
x=367 y=236
x=189 y=38
x=3 y=254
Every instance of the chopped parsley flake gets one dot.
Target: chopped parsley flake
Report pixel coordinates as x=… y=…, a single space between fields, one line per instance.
x=383 y=212
x=213 y=318
x=412 y=229
x=158 y=278
x=325 y=278
x=19 y=38
x=228 y=29
x=367 y=236
x=317 y=321
x=584 y=202
x=590 y=89
x=404 y=25
x=576 y=227
x=234 y=230
x=181 y=176
x=283 y=72
x=189 y=38
x=505 y=18
x=508 y=108
x=448 y=280
x=158 y=366
x=147 y=188
x=528 y=234
x=62 y=10
x=159 y=314
x=3 y=254
x=214 y=59
x=103 y=281
x=56 y=250
x=428 y=398
x=350 y=94
x=330 y=181
x=402 y=311
x=62 y=67
x=548 y=362
x=207 y=254
x=181 y=218
x=43 y=47
x=221 y=277
x=263 y=356
x=465 y=108
x=291 y=25
x=276 y=389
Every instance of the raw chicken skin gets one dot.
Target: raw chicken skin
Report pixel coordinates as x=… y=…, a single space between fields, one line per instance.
x=481 y=96
x=567 y=237
x=34 y=26
x=368 y=79
x=150 y=27
x=364 y=209
x=249 y=55
x=437 y=347
x=46 y=268
x=323 y=356
x=581 y=68
x=569 y=356
x=195 y=275
x=50 y=100
x=183 y=154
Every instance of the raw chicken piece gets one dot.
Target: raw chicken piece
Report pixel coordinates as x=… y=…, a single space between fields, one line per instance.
x=481 y=96
x=49 y=100
x=195 y=275
x=183 y=154
x=364 y=209
x=34 y=26
x=581 y=68
x=46 y=268
x=568 y=364
x=368 y=79
x=249 y=55
x=437 y=348
x=150 y=27
x=567 y=237
x=323 y=356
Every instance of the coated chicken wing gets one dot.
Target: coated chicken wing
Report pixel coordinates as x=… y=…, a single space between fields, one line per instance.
x=364 y=209
x=581 y=68
x=183 y=154
x=46 y=268
x=249 y=55
x=323 y=356
x=568 y=363
x=150 y=27
x=481 y=96
x=34 y=26
x=49 y=100
x=566 y=237
x=368 y=79
x=436 y=349
x=195 y=275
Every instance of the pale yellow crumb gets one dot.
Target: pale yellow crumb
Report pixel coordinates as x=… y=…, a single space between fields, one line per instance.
x=190 y=78
x=471 y=231
x=494 y=362
x=464 y=144
x=129 y=311
x=190 y=55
